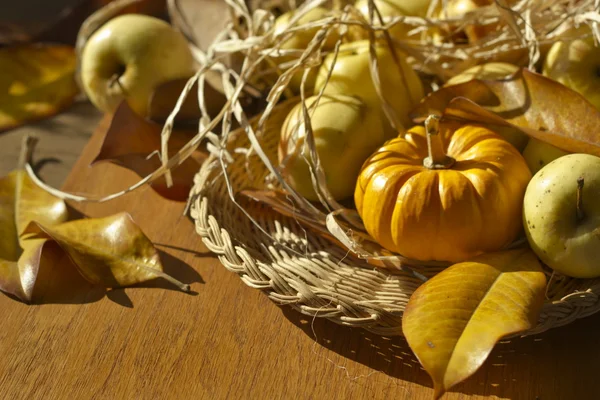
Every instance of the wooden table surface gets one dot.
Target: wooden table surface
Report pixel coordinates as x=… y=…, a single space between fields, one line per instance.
x=228 y=341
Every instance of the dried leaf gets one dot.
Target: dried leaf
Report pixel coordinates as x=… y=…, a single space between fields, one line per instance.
x=540 y=107
x=129 y=141
x=200 y=20
x=37 y=81
x=453 y=321
x=165 y=96
x=21 y=202
x=111 y=251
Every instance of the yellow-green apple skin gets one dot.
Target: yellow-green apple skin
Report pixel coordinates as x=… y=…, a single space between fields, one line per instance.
x=345 y=132
x=300 y=40
x=576 y=64
x=563 y=241
x=400 y=85
x=538 y=154
x=494 y=71
x=395 y=8
x=142 y=51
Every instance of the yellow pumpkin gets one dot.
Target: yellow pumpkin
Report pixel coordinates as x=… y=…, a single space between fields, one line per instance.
x=453 y=199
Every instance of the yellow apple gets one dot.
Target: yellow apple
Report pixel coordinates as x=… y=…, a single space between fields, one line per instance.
x=538 y=154
x=561 y=215
x=128 y=57
x=576 y=65
x=345 y=132
x=395 y=8
x=462 y=32
x=400 y=85
x=300 y=41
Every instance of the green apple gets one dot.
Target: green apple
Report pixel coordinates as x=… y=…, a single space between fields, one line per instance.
x=561 y=215
x=345 y=132
x=576 y=64
x=395 y=8
x=128 y=57
x=300 y=41
x=400 y=86
x=537 y=154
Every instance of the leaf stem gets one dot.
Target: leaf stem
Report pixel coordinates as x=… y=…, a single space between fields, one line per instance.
x=27 y=146
x=580 y=212
x=184 y=287
x=437 y=158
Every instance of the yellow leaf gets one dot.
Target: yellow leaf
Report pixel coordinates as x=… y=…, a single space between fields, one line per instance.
x=453 y=321
x=111 y=251
x=19 y=277
x=21 y=202
x=36 y=81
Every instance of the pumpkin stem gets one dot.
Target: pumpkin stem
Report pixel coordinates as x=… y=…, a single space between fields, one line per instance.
x=437 y=156
x=580 y=213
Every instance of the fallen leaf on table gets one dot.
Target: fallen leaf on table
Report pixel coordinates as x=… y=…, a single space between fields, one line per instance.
x=21 y=202
x=112 y=251
x=36 y=81
x=129 y=141
x=453 y=321
x=540 y=107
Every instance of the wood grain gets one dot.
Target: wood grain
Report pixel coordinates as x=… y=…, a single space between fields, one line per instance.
x=229 y=341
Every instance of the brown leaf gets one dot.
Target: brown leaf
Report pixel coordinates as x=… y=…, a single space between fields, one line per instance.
x=453 y=321
x=200 y=20
x=21 y=202
x=538 y=106
x=37 y=81
x=165 y=97
x=112 y=251
x=129 y=141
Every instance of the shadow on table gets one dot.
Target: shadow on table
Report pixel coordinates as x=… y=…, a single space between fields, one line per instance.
x=559 y=364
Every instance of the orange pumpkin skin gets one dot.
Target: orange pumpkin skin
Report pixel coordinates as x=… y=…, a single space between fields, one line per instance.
x=450 y=214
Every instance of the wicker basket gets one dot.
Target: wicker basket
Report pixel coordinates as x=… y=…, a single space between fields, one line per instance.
x=295 y=266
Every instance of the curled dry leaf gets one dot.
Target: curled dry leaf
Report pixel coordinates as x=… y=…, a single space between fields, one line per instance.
x=37 y=81
x=527 y=101
x=130 y=141
x=21 y=257
x=112 y=251
x=453 y=321
x=165 y=97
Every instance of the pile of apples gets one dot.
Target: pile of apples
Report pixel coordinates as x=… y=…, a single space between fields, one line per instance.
x=427 y=192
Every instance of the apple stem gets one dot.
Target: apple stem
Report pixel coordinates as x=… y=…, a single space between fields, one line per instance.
x=115 y=80
x=580 y=213
x=437 y=156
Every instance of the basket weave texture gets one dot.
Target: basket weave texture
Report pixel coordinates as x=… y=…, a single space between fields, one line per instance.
x=295 y=266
